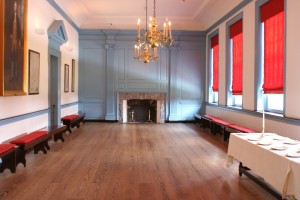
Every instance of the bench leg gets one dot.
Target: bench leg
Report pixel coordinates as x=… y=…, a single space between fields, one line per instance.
x=69 y=128
x=40 y=147
x=8 y=162
x=20 y=156
x=59 y=136
x=226 y=135
x=47 y=144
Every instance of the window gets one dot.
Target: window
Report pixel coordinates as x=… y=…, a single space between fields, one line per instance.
x=234 y=97
x=214 y=58
x=272 y=56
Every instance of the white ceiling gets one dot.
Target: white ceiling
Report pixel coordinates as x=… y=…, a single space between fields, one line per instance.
x=123 y=14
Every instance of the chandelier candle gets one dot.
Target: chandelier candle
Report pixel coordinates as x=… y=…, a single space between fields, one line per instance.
x=139 y=30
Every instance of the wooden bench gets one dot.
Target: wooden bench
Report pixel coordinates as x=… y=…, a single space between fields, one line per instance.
x=207 y=121
x=73 y=120
x=219 y=125
x=197 y=119
x=7 y=157
x=233 y=128
x=55 y=131
x=36 y=140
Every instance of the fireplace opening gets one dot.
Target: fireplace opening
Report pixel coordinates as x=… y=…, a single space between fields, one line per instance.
x=141 y=110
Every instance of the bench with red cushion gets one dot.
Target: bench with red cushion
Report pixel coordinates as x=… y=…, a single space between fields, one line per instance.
x=237 y=128
x=219 y=125
x=36 y=140
x=7 y=157
x=215 y=124
x=242 y=129
x=206 y=121
x=73 y=120
x=56 y=131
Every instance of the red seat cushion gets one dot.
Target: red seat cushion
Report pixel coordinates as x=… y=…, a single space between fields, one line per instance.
x=29 y=137
x=222 y=122
x=211 y=117
x=69 y=117
x=242 y=129
x=6 y=147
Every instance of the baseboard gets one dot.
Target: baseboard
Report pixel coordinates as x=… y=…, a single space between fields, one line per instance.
x=181 y=121
x=100 y=120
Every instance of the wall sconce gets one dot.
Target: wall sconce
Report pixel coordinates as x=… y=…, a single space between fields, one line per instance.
x=39 y=30
x=68 y=47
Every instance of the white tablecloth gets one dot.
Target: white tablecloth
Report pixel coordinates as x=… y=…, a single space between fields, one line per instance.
x=280 y=171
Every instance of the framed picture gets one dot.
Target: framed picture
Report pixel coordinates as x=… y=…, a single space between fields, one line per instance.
x=66 y=81
x=34 y=72
x=13 y=47
x=73 y=76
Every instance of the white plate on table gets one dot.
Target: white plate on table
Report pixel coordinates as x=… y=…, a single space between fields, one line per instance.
x=254 y=138
x=279 y=147
x=291 y=142
x=293 y=154
x=264 y=142
x=242 y=134
x=269 y=134
x=279 y=138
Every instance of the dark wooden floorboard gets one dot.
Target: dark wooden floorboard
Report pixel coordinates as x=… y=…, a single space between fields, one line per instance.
x=132 y=161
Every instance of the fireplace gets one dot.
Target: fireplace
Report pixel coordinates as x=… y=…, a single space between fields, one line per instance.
x=146 y=107
x=141 y=110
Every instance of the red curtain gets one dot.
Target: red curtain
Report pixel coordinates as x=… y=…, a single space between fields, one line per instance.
x=272 y=15
x=215 y=49
x=236 y=34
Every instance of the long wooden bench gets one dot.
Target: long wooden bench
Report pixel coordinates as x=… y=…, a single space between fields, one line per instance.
x=55 y=131
x=36 y=140
x=219 y=125
x=73 y=120
x=233 y=128
x=7 y=157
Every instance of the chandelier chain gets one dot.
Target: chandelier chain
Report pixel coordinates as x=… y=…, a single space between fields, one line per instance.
x=154 y=8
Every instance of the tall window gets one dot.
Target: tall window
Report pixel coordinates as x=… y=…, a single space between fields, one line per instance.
x=272 y=26
x=215 y=68
x=236 y=57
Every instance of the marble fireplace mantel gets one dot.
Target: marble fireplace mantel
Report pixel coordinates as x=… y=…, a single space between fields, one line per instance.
x=160 y=102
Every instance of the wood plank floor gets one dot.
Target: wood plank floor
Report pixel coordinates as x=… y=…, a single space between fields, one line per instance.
x=131 y=161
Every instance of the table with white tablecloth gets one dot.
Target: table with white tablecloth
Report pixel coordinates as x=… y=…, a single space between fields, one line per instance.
x=274 y=158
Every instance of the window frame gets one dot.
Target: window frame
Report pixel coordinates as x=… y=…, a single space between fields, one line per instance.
x=260 y=101
x=210 y=94
x=229 y=98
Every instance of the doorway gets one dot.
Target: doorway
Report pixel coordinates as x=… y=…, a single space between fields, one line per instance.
x=53 y=91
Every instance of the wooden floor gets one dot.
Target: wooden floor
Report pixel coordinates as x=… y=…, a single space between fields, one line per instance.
x=131 y=161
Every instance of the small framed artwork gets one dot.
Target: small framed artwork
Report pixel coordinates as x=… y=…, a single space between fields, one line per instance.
x=33 y=72
x=66 y=79
x=73 y=76
x=13 y=47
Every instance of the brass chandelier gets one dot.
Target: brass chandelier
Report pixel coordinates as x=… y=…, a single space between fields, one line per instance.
x=147 y=49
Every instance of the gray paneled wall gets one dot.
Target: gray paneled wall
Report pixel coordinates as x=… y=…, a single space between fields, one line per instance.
x=106 y=67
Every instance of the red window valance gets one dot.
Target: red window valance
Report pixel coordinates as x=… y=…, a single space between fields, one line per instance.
x=236 y=28
x=271 y=8
x=214 y=41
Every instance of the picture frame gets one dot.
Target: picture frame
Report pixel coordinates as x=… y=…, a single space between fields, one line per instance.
x=73 y=76
x=33 y=72
x=13 y=47
x=66 y=78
